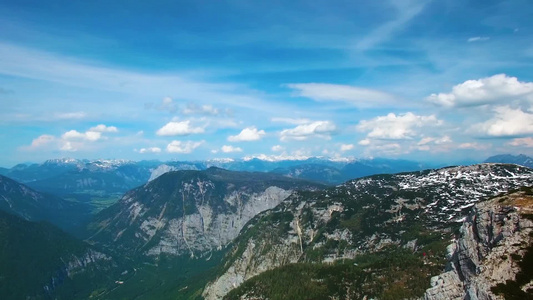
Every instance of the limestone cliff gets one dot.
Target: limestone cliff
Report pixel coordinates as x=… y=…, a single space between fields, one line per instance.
x=489 y=251
x=190 y=213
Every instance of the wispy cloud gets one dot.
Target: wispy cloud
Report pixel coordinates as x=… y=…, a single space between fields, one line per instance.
x=28 y=63
x=230 y=149
x=358 y=96
x=478 y=39
x=150 y=150
x=183 y=147
x=291 y=120
x=321 y=129
x=405 y=9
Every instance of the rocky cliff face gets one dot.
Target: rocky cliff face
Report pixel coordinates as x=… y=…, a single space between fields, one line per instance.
x=492 y=242
x=205 y=229
x=408 y=211
x=189 y=212
x=72 y=265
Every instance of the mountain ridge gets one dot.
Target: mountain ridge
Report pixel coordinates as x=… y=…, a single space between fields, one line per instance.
x=415 y=210
x=31 y=205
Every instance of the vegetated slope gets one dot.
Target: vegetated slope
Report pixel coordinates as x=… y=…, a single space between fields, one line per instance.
x=189 y=212
x=39 y=261
x=20 y=200
x=493 y=253
x=402 y=217
x=521 y=159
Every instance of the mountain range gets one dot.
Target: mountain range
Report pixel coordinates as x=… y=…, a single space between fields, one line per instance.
x=189 y=212
x=521 y=159
x=409 y=212
x=194 y=230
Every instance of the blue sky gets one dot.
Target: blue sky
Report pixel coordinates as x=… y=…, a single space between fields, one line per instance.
x=442 y=81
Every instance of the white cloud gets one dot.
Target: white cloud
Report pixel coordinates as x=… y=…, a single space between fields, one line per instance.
x=200 y=110
x=333 y=92
x=179 y=128
x=183 y=147
x=507 y=122
x=495 y=89
x=69 y=116
x=91 y=136
x=396 y=127
x=346 y=147
x=42 y=140
x=478 y=39
x=428 y=143
x=49 y=142
x=387 y=149
x=291 y=121
x=167 y=104
x=277 y=148
x=364 y=142
x=72 y=140
x=150 y=150
x=247 y=135
x=474 y=146
x=73 y=134
x=322 y=129
x=103 y=128
x=432 y=140
x=284 y=156
x=230 y=149
x=525 y=142
x=67 y=146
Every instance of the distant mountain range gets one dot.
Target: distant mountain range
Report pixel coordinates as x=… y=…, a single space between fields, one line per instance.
x=70 y=177
x=521 y=159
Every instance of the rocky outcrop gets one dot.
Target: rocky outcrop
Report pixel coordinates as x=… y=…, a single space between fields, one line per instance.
x=206 y=230
x=74 y=265
x=491 y=242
